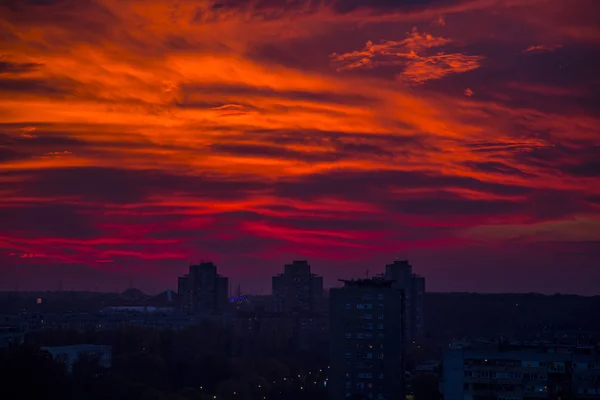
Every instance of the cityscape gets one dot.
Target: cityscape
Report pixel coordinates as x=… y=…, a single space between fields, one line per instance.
x=367 y=338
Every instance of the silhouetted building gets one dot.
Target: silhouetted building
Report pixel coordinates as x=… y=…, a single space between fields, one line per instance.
x=519 y=370
x=69 y=355
x=202 y=290
x=297 y=289
x=414 y=288
x=11 y=336
x=366 y=339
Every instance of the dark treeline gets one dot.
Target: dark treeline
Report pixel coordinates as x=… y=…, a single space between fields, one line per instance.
x=195 y=363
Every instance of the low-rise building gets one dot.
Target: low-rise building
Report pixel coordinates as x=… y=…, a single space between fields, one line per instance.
x=520 y=371
x=70 y=354
x=11 y=336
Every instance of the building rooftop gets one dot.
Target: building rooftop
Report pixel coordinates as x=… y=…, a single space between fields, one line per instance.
x=373 y=282
x=75 y=348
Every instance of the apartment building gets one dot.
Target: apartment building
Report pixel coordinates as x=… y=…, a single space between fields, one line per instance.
x=366 y=340
x=521 y=371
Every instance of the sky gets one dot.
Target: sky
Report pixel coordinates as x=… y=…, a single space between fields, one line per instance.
x=139 y=136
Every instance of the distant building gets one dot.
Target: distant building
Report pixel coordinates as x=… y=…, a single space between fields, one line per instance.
x=70 y=354
x=414 y=288
x=11 y=336
x=520 y=371
x=366 y=338
x=203 y=291
x=297 y=289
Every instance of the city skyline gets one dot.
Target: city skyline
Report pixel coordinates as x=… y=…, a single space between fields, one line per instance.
x=137 y=138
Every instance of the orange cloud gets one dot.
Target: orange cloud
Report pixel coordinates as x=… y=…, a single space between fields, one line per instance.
x=409 y=53
x=134 y=133
x=539 y=48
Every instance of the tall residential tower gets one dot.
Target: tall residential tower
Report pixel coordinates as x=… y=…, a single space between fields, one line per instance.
x=203 y=291
x=401 y=273
x=367 y=340
x=297 y=289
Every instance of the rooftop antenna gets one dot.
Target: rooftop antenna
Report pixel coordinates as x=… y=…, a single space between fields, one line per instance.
x=367 y=273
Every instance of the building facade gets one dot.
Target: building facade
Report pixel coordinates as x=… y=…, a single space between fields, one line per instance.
x=521 y=371
x=297 y=289
x=11 y=336
x=70 y=354
x=366 y=340
x=400 y=271
x=203 y=291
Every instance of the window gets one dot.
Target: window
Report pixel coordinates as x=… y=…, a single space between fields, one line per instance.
x=368 y=316
x=369 y=355
x=380 y=356
x=367 y=326
x=348 y=355
x=380 y=306
x=348 y=306
x=379 y=326
x=348 y=336
x=557 y=367
x=380 y=296
x=380 y=316
x=367 y=297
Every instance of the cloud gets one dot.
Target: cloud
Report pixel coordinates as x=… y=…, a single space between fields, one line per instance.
x=254 y=132
x=410 y=54
x=8 y=67
x=495 y=167
x=540 y=48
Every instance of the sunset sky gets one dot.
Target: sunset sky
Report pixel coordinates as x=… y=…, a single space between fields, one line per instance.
x=137 y=136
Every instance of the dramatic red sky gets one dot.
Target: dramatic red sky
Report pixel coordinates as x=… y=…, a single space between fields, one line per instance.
x=137 y=136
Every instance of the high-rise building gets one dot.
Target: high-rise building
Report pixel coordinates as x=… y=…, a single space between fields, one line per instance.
x=297 y=289
x=202 y=290
x=400 y=271
x=366 y=340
